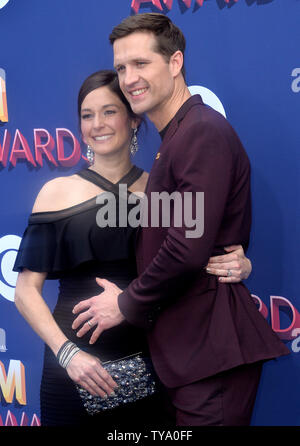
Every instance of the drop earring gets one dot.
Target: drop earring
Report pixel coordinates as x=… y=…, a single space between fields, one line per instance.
x=134 y=143
x=90 y=155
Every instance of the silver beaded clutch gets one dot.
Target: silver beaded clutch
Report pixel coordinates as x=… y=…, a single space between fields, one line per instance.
x=136 y=380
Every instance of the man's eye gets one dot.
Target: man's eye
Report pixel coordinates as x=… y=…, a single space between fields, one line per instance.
x=120 y=69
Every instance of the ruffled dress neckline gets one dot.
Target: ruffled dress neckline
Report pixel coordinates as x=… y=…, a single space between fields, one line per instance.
x=90 y=175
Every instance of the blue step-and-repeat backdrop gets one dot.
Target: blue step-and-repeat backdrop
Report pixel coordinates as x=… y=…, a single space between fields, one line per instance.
x=243 y=56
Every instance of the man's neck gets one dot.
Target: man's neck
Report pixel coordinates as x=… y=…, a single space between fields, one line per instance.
x=164 y=114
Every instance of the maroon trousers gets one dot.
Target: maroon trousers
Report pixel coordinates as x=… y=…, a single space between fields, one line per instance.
x=226 y=399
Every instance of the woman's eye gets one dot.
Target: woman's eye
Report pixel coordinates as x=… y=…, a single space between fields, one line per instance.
x=109 y=112
x=86 y=116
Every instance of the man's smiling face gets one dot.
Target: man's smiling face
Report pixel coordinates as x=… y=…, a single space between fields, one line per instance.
x=144 y=75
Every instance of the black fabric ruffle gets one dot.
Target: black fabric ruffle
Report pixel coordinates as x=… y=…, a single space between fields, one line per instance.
x=60 y=241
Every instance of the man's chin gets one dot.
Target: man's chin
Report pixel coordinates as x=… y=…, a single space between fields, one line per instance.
x=138 y=108
x=138 y=105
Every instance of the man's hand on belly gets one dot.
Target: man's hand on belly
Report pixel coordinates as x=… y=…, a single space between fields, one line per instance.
x=101 y=311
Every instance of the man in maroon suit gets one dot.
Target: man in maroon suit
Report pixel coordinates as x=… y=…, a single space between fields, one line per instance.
x=207 y=339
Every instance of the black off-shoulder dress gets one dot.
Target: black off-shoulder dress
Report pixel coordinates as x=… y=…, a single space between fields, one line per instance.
x=70 y=246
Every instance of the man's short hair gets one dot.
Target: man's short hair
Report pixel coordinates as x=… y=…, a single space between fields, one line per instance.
x=169 y=38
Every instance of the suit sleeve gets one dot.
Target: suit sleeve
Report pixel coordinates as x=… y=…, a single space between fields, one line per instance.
x=201 y=162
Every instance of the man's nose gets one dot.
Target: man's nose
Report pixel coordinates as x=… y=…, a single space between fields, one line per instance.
x=131 y=77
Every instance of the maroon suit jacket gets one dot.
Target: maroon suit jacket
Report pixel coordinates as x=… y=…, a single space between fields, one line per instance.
x=197 y=326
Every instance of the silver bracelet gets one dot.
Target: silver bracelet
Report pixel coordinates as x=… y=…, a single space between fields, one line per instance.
x=66 y=353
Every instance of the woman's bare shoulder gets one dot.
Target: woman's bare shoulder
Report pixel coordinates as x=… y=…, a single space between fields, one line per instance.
x=55 y=194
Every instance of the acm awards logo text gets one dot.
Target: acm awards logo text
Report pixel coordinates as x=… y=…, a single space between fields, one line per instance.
x=3 y=98
x=16 y=147
x=135 y=4
x=160 y=5
x=13 y=392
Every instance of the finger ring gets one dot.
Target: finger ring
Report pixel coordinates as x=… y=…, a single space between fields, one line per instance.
x=90 y=324
x=229 y=273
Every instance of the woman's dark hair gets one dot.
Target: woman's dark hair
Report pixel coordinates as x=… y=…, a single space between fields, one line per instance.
x=103 y=78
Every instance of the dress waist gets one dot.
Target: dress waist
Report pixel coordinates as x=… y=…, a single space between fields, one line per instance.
x=75 y=289
x=83 y=279
x=117 y=342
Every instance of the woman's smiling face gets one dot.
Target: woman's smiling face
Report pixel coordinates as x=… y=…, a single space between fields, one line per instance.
x=105 y=124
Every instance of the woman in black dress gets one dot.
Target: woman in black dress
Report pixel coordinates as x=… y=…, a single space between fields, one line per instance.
x=63 y=241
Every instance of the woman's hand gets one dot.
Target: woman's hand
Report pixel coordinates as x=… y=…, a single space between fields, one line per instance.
x=231 y=268
x=86 y=370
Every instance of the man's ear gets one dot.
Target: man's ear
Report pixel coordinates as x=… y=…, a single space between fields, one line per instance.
x=176 y=63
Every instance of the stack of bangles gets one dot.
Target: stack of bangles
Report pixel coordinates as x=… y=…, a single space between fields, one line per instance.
x=66 y=353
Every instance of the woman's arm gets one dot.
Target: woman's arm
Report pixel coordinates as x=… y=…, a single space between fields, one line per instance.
x=232 y=267
x=33 y=308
